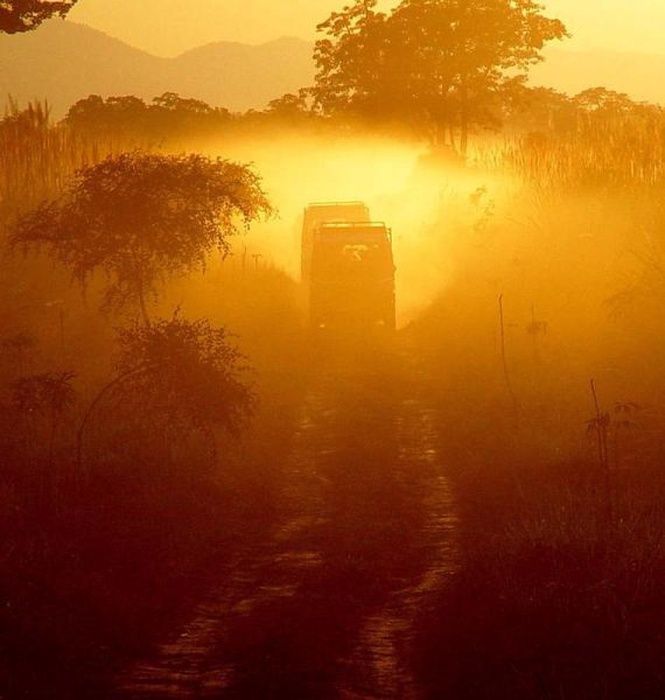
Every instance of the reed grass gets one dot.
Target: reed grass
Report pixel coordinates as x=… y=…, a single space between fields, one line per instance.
x=39 y=157
x=602 y=149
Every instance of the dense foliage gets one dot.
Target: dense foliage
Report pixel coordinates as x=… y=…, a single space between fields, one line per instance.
x=25 y=15
x=185 y=373
x=128 y=116
x=139 y=216
x=441 y=64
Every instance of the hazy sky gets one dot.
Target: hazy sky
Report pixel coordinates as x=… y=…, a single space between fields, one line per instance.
x=168 y=27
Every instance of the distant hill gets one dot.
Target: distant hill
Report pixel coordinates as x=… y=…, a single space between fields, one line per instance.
x=64 y=62
x=638 y=75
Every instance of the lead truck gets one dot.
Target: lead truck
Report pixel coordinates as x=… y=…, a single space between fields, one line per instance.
x=348 y=273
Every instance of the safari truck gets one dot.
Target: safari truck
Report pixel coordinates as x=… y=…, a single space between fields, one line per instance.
x=348 y=271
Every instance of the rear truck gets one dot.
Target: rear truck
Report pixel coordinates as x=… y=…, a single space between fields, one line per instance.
x=348 y=270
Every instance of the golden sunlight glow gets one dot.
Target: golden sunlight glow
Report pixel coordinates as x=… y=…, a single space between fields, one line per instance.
x=357 y=392
x=392 y=178
x=607 y=24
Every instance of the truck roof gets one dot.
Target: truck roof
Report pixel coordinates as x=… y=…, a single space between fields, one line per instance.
x=355 y=203
x=353 y=230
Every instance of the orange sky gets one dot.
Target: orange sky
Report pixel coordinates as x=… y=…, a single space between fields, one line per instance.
x=168 y=27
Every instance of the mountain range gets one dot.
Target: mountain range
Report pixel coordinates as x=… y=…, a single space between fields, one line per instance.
x=63 y=62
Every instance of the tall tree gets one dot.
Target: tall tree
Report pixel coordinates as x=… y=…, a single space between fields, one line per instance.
x=24 y=15
x=172 y=102
x=138 y=217
x=444 y=64
x=352 y=60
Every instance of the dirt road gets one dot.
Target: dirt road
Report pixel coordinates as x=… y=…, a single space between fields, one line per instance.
x=327 y=606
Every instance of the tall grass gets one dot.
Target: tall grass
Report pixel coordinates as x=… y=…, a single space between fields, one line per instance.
x=558 y=595
x=603 y=149
x=38 y=157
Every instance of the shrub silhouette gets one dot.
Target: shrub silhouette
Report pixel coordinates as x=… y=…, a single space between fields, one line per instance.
x=180 y=377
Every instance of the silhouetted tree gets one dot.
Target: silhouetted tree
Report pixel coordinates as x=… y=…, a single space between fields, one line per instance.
x=600 y=98
x=172 y=115
x=88 y=110
x=188 y=369
x=181 y=376
x=438 y=63
x=540 y=111
x=292 y=106
x=24 y=15
x=125 y=116
x=131 y=118
x=139 y=217
x=171 y=101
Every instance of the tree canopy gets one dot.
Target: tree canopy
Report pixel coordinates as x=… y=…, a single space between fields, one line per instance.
x=441 y=64
x=25 y=15
x=133 y=120
x=139 y=216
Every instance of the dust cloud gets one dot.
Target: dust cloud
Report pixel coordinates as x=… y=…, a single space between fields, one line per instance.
x=562 y=259
x=463 y=235
x=401 y=183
